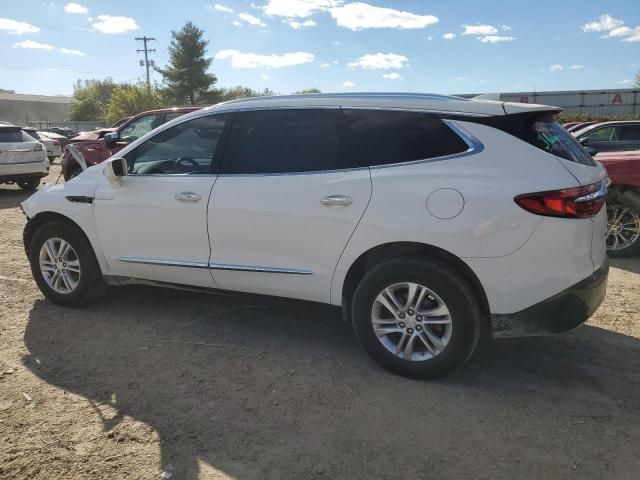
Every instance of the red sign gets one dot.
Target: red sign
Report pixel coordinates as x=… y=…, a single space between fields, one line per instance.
x=524 y=99
x=617 y=98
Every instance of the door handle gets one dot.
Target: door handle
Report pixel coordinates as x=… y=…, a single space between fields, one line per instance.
x=336 y=200
x=188 y=197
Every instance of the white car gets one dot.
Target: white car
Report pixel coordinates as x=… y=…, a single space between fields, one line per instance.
x=51 y=146
x=428 y=219
x=23 y=159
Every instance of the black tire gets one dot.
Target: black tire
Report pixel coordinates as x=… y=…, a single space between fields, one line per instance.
x=632 y=250
x=29 y=184
x=90 y=284
x=465 y=313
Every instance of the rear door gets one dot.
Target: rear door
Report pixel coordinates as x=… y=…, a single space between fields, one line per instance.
x=290 y=194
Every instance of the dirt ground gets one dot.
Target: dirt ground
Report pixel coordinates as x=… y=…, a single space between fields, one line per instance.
x=153 y=383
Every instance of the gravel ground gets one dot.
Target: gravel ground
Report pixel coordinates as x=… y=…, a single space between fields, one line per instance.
x=153 y=383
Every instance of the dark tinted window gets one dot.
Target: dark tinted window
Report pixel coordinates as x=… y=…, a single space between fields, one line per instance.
x=630 y=133
x=33 y=134
x=548 y=135
x=10 y=135
x=279 y=141
x=388 y=137
x=188 y=147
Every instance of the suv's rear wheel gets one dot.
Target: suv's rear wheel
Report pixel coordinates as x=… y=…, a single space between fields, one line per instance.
x=416 y=317
x=623 y=230
x=64 y=266
x=29 y=184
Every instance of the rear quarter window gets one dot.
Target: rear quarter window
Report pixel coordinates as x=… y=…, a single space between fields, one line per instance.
x=387 y=137
x=11 y=135
x=548 y=135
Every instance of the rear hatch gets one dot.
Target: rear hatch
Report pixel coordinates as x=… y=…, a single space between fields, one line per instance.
x=17 y=147
x=543 y=131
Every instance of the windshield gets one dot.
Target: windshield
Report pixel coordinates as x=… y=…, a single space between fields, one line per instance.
x=548 y=135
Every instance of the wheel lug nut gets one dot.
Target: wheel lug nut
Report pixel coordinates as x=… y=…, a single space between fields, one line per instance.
x=401 y=325
x=419 y=318
x=410 y=312
x=402 y=315
x=418 y=327
x=409 y=330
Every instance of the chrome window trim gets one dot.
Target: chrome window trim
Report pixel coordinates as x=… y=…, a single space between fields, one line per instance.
x=213 y=266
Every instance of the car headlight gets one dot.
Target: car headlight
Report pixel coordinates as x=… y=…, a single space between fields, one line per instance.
x=38 y=147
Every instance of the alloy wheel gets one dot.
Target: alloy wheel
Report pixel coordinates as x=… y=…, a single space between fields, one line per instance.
x=411 y=321
x=623 y=227
x=60 y=265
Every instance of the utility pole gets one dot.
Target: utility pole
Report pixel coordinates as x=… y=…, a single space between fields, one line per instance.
x=146 y=57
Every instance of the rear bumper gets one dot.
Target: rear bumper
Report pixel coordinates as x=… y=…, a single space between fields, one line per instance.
x=12 y=171
x=560 y=313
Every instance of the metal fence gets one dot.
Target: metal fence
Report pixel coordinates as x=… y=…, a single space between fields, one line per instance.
x=75 y=126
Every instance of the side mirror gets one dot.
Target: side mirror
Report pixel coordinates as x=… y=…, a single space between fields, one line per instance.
x=111 y=138
x=584 y=140
x=115 y=169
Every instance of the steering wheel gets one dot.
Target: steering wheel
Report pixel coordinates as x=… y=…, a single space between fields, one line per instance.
x=185 y=162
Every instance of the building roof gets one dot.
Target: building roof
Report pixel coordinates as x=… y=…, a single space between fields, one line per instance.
x=36 y=98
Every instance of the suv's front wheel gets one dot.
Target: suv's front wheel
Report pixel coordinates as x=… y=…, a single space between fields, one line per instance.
x=63 y=264
x=416 y=317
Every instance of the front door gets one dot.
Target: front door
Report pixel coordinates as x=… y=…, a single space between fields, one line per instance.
x=154 y=226
x=290 y=195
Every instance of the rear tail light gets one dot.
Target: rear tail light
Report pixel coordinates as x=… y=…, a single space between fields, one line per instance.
x=579 y=202
x=37 y=147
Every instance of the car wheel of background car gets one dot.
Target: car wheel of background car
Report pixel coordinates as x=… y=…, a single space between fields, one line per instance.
x=623 y=230
x=29 y=183
x=64 y=265
x=416 y=317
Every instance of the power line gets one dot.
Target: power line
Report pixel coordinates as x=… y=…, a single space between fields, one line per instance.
x=146 y=52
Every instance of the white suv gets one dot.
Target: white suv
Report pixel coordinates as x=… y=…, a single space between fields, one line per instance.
x=23 y=159
x=428 y=219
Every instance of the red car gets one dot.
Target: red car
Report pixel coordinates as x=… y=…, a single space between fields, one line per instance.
x=623 y=204
x=96 y=146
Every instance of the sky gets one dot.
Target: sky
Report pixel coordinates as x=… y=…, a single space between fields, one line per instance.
x=461 y=46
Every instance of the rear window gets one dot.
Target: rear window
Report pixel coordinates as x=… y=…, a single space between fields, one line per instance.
x=10 y=135
x=548 y=135
x=387 y=137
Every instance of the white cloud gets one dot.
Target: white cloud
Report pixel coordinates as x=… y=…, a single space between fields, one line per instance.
x=16 y=27
x=298 y=25
x=254 y=60
x=265 y=77
x=75 y=8
x=325 y=65
x=237 y=23
x=479 y=30
x=348 y=84
x=222 y=8
x=506 y=28
x=374 y=61
x=76 y=53
x=614 y=27
x=32 y=44
x=495 y=38
x=392 y=76
x=113 y=24
x=575 y=67
x=247 y=17
x=556 y=68
x=626 y=81
x=449 y=36
x=358 y=15
x=604 y=23
x=298 y=8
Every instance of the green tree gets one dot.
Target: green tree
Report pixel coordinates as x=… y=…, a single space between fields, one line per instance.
x=128 y=100
x=3 y=90
x=186 y=76
x=308 y=90
x=638 y=79
x=218 y=95
x=91 y=98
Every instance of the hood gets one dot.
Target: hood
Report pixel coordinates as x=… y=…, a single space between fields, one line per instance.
x=92 y=135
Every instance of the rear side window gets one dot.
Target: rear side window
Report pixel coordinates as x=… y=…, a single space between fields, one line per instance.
x=630 y=133
x=10 y=135
x=388 y=137
x=548 y=135
x=286 y=141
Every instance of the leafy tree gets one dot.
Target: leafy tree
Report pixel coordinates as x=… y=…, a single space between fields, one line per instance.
x=186 y=76
x=308 y=90
x=128 y=100
x=3 y=90
x=638 y=79
x=225 y=94
x=91 y=98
